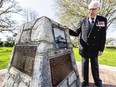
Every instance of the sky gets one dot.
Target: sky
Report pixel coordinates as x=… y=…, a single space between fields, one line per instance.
x=47 y=8
x=43 y=7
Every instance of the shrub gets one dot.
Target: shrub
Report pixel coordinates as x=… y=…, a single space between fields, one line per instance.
x=1 y=44
x=111 y=46
x=8 y=44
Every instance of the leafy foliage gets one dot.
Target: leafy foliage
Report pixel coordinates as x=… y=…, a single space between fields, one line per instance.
x=8 y=44
x=1 y=43
x=71 y=11
x=7 y=9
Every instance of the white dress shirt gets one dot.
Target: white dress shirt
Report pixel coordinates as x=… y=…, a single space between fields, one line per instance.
x=90 y=20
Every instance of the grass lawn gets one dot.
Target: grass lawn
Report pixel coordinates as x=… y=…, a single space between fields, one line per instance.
x=108 y=57
x=5 y=53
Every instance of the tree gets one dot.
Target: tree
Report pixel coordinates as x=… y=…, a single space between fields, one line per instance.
x=29 y=15
x=7 y=9
x=70 y=11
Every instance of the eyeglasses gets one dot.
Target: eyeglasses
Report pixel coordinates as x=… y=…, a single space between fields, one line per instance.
x=93 y=9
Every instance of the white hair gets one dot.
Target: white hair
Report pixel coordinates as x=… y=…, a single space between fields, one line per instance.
x=94 y=4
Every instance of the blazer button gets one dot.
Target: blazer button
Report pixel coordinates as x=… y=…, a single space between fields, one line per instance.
x=94 y=37
x=93 y=44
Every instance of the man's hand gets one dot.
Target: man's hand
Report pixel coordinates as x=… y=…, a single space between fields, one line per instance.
x=100 y=53
x=65 y=27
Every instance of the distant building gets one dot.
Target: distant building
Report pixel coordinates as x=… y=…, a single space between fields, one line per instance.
x=111 y=41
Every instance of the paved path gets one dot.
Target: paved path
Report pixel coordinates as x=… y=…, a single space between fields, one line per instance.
x=2 y=74
x=107 y=74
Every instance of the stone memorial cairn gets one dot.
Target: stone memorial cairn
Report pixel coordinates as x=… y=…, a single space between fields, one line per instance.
x=42 y=57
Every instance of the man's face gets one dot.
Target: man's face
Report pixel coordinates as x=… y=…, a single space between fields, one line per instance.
x=93 y=12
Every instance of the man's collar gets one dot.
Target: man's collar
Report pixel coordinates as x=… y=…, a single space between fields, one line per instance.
x=90 y=20
x=94 y=18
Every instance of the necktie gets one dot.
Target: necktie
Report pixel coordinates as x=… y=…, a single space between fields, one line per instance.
x=92 y=21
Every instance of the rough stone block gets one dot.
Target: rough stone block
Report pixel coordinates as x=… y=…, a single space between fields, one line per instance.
x=19 y=34
x=14 y=73
x=41 y=74
x=10 y=83
x=72 y=78
x=74 y=84
x=15 y=85
x=63 y=84
x=22 y=84
x=67 y=36
x=29 y=25
x=43 y=32
x=44 y=47
x=25 y=38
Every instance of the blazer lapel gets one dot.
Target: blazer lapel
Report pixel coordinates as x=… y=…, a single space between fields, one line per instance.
x=87 y=23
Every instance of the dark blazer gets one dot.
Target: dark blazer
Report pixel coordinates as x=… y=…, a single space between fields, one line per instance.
x=91 y=39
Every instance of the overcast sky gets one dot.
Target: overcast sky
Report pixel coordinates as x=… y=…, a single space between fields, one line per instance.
x=43 y=7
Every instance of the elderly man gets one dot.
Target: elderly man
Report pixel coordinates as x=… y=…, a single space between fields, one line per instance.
x=92 y=36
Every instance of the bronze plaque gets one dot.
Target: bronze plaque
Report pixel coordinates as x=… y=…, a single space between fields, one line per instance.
x=60 y=67
x=23 y=58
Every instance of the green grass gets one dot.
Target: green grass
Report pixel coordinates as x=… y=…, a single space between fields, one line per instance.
x=108 y=57
x=5 y=53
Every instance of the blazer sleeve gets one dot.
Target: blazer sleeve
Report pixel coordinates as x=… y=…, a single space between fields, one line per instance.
x=78 y=30
x=103 y=37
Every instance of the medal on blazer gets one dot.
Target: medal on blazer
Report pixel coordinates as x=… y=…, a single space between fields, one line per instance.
x=100 y=24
